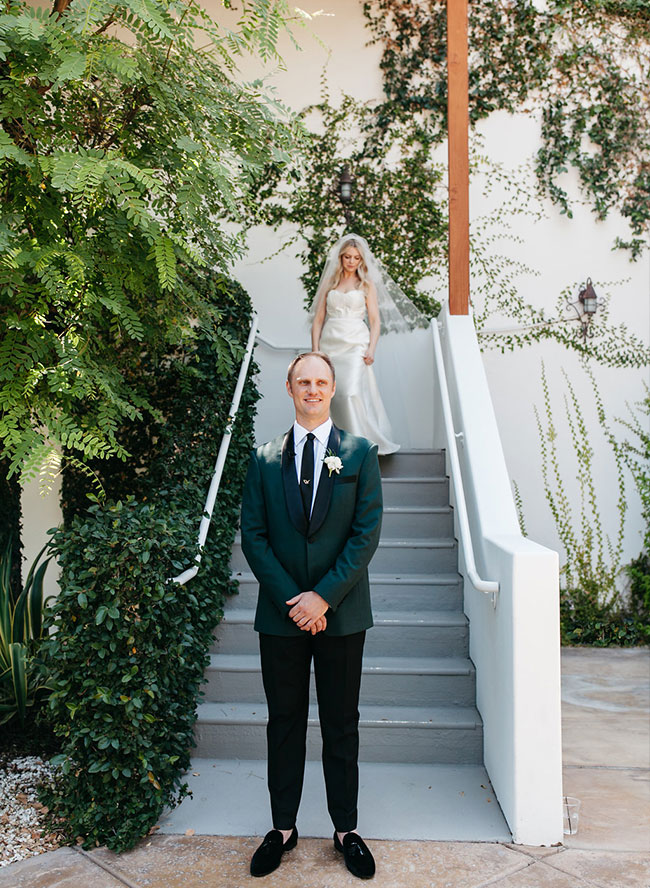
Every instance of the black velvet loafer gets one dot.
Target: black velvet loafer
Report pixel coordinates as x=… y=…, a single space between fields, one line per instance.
x=357 y=855
x=269 y=854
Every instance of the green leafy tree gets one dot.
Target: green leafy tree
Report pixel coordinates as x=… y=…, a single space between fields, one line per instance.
x=126 y=146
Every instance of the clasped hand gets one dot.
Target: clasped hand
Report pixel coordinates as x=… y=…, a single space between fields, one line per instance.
x=308 y=611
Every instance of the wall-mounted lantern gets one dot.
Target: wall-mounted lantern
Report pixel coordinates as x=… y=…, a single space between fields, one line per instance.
x=585 y=308
x=344 y=191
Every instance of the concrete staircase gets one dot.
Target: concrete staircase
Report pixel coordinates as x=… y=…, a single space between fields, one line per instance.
x=418 y=690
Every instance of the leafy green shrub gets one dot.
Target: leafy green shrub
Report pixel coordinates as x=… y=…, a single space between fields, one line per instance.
x=128 y=656
x=592 y=560
x=23 y=686
x=173 y=454
x=639 y=592
x=130 y=649
x=588 y=618
x=592 y=609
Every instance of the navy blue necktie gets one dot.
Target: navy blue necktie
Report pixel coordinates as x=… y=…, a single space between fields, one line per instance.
x=307 y=474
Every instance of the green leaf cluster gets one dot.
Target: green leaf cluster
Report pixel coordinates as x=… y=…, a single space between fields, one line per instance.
x=128 y=149
x=585 y=618
x=126 y=661
x=128 y=649
x=584 y=63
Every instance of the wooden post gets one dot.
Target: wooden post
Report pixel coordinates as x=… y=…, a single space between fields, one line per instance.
x=457 y=127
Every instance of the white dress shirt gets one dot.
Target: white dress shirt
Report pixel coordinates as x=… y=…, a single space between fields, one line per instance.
x=321 y=437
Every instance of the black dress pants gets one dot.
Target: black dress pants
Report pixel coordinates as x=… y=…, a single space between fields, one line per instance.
x=285 y=671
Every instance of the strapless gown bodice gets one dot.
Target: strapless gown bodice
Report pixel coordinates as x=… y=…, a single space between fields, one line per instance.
x=357 y=405
x=351 y=304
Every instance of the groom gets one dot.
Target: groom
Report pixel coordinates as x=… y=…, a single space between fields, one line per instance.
x=311 y=517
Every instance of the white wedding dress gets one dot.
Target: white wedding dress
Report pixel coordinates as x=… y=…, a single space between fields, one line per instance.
x=357 y=406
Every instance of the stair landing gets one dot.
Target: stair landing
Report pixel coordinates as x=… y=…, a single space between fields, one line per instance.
x=396 y=801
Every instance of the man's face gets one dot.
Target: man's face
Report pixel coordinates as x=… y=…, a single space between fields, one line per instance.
x=311 y=389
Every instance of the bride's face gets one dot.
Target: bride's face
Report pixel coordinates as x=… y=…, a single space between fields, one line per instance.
x=350 y=259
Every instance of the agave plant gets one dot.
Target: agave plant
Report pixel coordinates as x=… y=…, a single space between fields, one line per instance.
x=21 y=630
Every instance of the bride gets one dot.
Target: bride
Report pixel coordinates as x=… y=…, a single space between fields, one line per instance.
x=353 y=284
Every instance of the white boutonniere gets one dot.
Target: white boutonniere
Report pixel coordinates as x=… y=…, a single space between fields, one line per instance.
x=333 y=462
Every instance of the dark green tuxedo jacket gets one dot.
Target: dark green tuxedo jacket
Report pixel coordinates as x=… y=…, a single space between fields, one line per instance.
x=331 y=552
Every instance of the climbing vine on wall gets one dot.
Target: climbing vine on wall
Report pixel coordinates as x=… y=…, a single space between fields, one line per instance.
x=398 y=200
x=499 y=281
x=585 y=63
x=400 y=204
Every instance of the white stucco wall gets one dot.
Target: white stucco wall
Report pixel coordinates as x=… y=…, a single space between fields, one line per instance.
x=562 y=250
x=40 y=514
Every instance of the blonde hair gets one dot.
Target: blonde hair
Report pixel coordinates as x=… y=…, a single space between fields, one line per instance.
x=326 y=358
x=362 y=268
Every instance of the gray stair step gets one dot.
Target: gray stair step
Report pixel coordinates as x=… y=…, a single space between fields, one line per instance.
x=442 y=591
x=393 y=556
x=415 y=491
x=417 y=522
x=441 y=734
x=409 y=681
x=412 y=462
x=407 y=591
x=399 y=633
x=416 y=556
x=417 y=702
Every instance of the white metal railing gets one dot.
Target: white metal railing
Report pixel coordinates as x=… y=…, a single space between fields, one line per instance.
x=489 y=587
x=221 y=457
x=297 y=349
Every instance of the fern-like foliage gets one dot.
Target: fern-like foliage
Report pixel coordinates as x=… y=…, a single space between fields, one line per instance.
x=127 y=149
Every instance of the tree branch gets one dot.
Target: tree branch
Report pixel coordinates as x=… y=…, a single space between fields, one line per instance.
x=109 y=21
x=60 y=7
x=171 y=42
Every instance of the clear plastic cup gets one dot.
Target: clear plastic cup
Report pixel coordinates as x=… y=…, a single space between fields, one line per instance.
x=570 y=814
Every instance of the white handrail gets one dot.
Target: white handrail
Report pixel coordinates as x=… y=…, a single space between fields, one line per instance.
x=297 y=349
x=221 y=457
x=490 y=587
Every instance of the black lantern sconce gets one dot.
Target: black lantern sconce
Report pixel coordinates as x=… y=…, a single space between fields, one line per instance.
x=344 y=189
x=585 y=308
